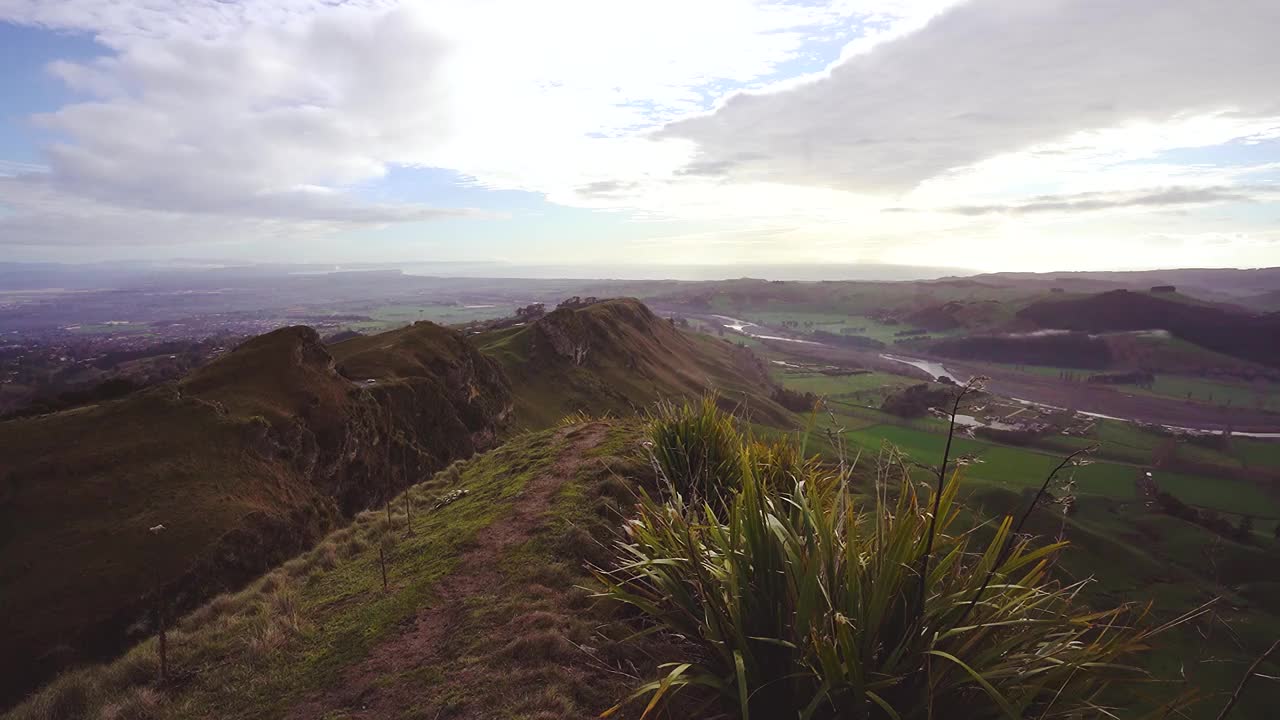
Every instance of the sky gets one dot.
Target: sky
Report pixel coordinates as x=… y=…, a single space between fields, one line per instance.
x=985 y=134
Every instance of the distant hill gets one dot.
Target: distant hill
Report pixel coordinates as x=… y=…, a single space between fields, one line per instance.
x=618 y=356
x=1070 y=349
x=1240 y=334
x=1266 y=301
x=956 y=314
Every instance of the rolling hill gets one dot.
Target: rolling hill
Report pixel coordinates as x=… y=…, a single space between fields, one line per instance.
x=250 y=459
x=1243 y=335
x=484 y=609
x=617 y=356
x=245 y=463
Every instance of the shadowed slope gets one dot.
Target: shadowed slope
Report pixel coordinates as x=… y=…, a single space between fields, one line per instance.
x=1242 y=335
x=246 y=462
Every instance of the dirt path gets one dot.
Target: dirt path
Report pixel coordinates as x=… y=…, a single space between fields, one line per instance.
x=364 y=691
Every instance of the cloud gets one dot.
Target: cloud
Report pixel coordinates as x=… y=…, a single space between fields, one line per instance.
x=244 y=125
x=606 y=188
x=35 y=212
x=212 y=120
x=288 y=110
x=991 y=77
x=1094 y=201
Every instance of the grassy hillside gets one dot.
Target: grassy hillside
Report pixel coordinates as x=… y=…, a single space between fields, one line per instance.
x=1221 y=329
x=245 y=462
x=480 y=618
x=248 y=460
x=616 y=356
x=487 y=609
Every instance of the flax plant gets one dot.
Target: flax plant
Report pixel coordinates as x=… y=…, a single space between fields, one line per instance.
x=795 y=598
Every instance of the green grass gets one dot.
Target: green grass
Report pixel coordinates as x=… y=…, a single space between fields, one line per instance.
x=1261 y=395
x=513 y=650
x=1256 y=453
x=1014 y=467
x=385 y=317
x=800 y=600
x=1222 y=494
x=344 y=611
x=1021 y=467
x=1128 y=435
x=347 y=611
x=520 y=638
x=1131 y=554
x=633 y=359
x=1045 y=370
x=864 y=385
x=830 y=322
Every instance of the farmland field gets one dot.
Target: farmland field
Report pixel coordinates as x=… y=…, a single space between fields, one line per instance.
x=1222 y=494
x=1262 y=395
x=1010 y=466
x=864 y=385
x=831 y=322
x=390 y=316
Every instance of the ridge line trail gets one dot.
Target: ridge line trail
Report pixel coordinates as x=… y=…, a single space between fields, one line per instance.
x=363 y=691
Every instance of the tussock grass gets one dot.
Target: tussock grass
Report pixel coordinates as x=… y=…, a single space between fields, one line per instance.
x=696 y=447
x=137 y=668
x=70 y=697
x=540 y=646
x=138 y=704
x=798 y=600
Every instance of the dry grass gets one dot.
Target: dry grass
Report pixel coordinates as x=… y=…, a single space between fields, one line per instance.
x=138 y=704
x=265 y=616
x=70 y=697
x=137 y=668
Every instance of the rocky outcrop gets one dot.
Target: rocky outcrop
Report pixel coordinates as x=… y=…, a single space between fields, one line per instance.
x=562 y=334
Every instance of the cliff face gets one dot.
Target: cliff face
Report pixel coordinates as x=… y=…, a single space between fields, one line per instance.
x=245 y=462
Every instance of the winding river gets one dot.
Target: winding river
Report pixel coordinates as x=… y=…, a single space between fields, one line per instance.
x=937 y=369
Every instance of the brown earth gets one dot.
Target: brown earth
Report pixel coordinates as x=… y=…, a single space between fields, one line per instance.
x=535 y=625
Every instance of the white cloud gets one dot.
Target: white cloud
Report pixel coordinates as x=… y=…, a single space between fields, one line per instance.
x=241 y=124
x=211 y=118
x=278 y=110
x=991 y=77
x=35 y=212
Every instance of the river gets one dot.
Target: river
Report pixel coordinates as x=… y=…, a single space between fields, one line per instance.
x=937 y=369
x=740 y=326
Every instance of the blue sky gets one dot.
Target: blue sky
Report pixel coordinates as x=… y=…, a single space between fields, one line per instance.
x=991 y=134
x=28 y=89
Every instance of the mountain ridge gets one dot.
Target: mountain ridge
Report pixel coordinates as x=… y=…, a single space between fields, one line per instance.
x=253 y=457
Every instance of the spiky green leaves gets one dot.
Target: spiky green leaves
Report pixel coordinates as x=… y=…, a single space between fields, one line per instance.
x=797 y=602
